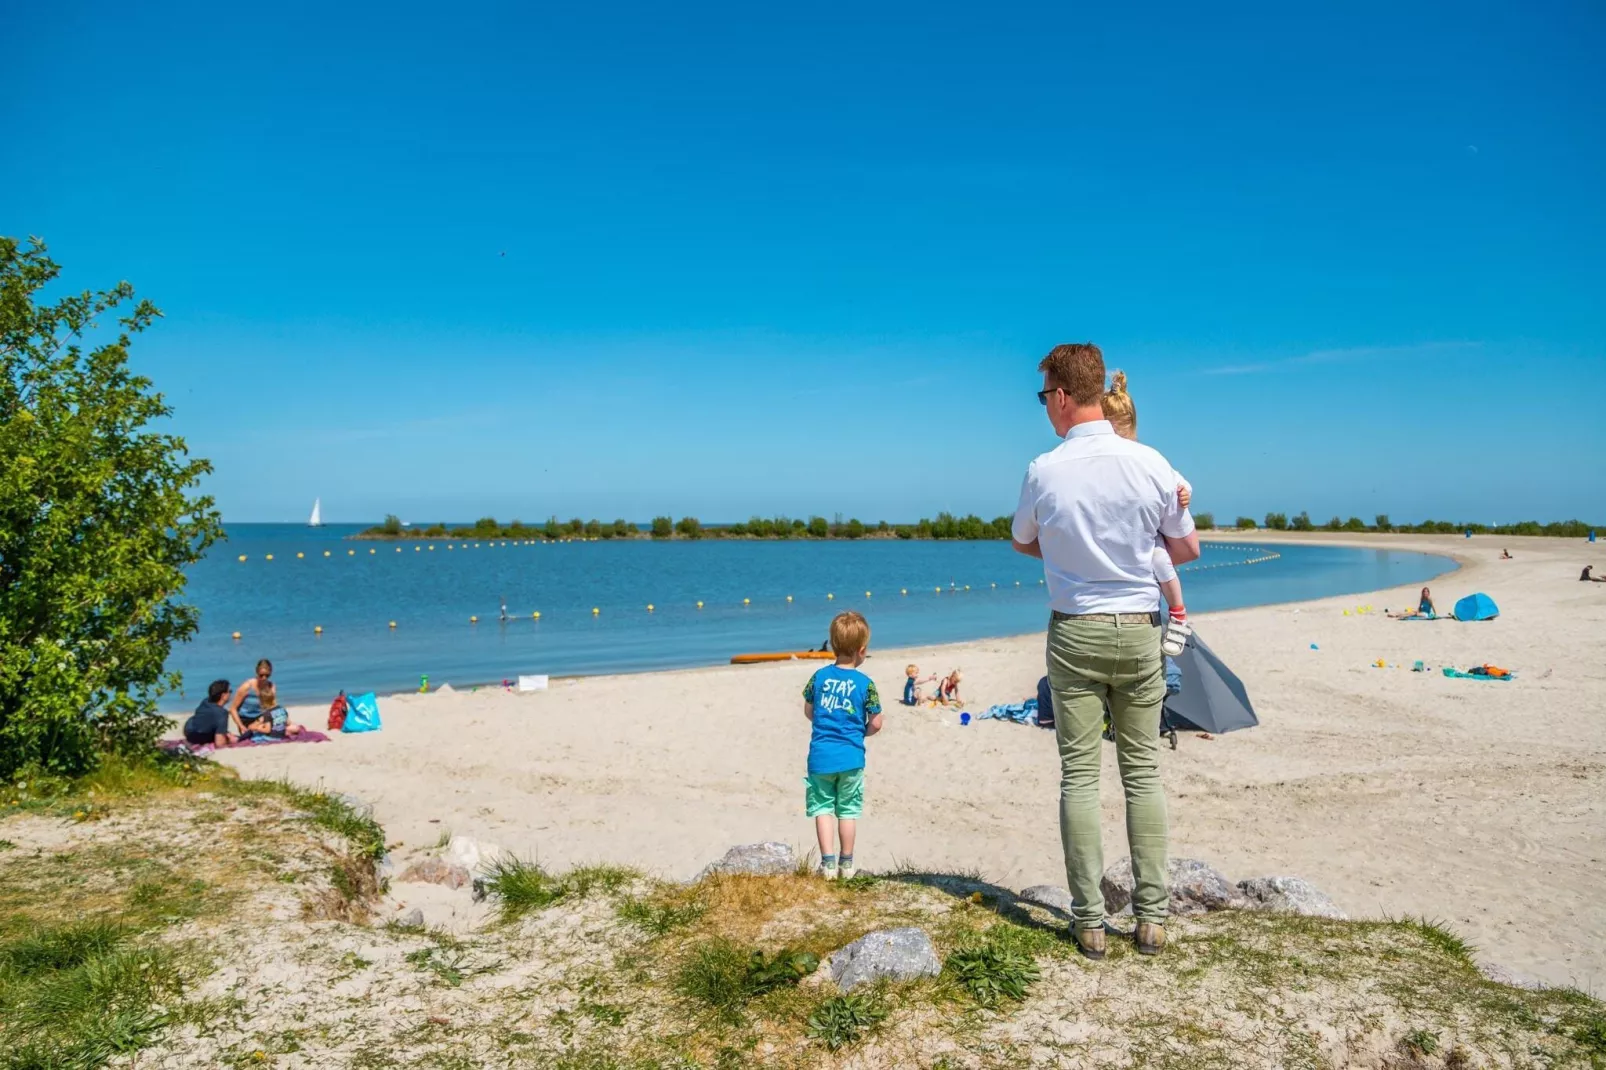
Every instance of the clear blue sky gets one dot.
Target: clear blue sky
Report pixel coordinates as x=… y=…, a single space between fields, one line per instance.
x=805 y=259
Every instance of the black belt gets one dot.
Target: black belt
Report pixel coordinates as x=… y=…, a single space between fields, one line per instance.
x=1112 y=618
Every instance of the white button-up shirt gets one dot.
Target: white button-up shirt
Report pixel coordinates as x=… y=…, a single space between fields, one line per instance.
x=1094 y=504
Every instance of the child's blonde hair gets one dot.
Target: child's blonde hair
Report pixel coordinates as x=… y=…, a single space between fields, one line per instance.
x=850 y=633
x=911 y=670
x=266 y=696
x=1118 y=407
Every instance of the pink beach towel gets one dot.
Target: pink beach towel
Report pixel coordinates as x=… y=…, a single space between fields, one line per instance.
x=178 y=746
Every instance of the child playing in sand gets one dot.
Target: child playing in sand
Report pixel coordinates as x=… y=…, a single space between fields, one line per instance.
x=844 y=708
x=948 y=690
x=912 y=684
x=1123 y=416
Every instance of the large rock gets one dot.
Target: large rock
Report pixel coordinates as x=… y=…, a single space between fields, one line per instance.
x=437 y=871
x=413 y=919
x=759 y=859
x=898 y=954
x=1048 y=895
x=1289 y=895
x=1196 y=888
x=473 y=855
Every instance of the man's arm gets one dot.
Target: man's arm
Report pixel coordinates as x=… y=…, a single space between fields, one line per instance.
x=1030 y=549
x=1023 y=531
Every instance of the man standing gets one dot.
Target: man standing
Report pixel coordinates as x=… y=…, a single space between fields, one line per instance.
x=1090 y=509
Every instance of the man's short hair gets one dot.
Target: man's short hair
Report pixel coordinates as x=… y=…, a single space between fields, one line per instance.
x=850 y=633
x=1077 y=369
x=216 y=690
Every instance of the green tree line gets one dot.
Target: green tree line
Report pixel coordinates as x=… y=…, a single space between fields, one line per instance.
x=944 y=526
x=1565 y=529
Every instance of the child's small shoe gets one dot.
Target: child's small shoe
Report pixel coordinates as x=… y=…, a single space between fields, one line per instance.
x=847 y=869
x=828 y=867
x=1176 y=635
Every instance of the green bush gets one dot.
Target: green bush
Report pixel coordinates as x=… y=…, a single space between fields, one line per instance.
x=1246 y=523
x=1354 y=523
x=486 y=527
x=623 y=529
x=392 y=524
x=1335 y=524
x=689 y=528
x=1302 y=523
x=819 y=527
x=1205 y=521
x=1277 y=521
x=662 y=527
x=98 y=520
x=853 y=530
x=1382 y=522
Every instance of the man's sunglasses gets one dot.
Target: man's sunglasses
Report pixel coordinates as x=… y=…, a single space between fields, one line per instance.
x=1044 y=395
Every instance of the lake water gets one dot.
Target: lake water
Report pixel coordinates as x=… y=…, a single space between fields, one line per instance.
x=353 y=589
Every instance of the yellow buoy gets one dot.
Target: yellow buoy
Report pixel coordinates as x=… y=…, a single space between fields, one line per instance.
x=317 y=629
x=300 y=554
x=788 y=598
x=867 y=594
x=270 y=557
x=351 y=553
x=242 y=557
x=326 y=553
x=967 y=586
x=904 y=591
x=649 y=607
x=1017 y=583
x=536 y=615
x=236 y=635
x=432 y=548
x=473 y=620
x=372 y=551
x=416 y=549
x=937 y=589
x=747 y=601
x=699 y=605
x=393 y=624
x=829 y=597
x=595 y=611
x=993 y=585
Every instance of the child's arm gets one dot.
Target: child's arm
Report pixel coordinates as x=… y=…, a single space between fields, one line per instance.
x=872 y=709
x=808 y=711
x=873 y=725
x=808 y=700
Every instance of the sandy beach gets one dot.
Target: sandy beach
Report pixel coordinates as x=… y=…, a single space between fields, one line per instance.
x=1479 y=803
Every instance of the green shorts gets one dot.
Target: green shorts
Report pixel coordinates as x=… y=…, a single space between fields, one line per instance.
x=841 y=794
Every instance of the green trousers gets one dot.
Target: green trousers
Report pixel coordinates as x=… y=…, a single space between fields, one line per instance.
x=1091 y=663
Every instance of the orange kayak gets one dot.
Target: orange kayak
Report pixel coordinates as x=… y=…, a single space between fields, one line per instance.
x=785 y=655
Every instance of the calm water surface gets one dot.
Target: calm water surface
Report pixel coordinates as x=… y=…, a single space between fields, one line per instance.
x=355 y=591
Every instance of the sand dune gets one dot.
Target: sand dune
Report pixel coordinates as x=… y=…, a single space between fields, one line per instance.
x=1474 y=802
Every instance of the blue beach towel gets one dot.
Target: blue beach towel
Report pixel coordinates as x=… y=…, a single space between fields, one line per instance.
x=362 y=713
x=1019 y=712
x=1457 y=674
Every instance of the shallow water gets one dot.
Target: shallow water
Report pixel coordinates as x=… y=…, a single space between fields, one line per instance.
x=361 y=586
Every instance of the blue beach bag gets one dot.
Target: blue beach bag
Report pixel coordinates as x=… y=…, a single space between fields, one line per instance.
x=362 y=713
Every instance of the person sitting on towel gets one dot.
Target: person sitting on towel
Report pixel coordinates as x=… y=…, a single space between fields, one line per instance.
x=274 y=722
x=210 y=721
x=1584 y=575
x=1424 y=608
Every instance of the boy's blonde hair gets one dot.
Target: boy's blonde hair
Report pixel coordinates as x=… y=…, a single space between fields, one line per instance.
x=266 y=695
x=850 y=633
x=1118 y=407
x=911 y=670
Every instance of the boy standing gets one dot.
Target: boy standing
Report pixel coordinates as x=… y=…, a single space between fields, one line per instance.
x=844 y=707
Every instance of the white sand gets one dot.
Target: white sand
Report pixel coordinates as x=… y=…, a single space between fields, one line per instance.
x=1479 y=803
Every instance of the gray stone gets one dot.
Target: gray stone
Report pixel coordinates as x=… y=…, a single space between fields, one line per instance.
x=437 y=871
x=413 y=919
x=384 y=869
x=760 y=859
x=897 y=954
x=1499 y=974
x=1289 y=895
x=1048 y=895
x=1196 y=888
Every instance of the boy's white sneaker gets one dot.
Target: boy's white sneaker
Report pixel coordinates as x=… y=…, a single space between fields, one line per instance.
x=828 y=872
x=1176 y=635
x=847 y=872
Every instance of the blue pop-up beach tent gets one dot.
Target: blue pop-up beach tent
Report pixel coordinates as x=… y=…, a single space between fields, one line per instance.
x=1476 y=607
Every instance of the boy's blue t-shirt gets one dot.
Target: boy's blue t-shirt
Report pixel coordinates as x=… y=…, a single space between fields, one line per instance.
x=844 y=700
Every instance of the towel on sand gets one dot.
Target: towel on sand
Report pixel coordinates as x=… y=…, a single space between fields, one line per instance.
x=178 y=746
x=1019 y=712
x=1480 y=672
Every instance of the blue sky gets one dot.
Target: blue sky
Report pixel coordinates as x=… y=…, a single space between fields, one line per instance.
x=764 y=258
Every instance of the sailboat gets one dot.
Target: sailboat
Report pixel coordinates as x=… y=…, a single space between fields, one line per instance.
x=316 y=520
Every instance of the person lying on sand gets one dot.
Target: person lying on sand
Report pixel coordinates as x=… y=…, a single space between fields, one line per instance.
x=210 y=721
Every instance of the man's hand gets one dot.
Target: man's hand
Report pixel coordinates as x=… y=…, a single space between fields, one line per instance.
x=1184 y=495
x=1030 y=549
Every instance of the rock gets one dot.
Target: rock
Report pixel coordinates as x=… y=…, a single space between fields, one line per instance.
x=1048 y=895
x=384 y=868
x=1289 y=895
x=898 y=954
x=1500 y=975
x=437 y=871
x=472 y=855
x=1196 y=888
x=760 y=859
x=413 y=919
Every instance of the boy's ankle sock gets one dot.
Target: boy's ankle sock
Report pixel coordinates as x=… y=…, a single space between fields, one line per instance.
x=828 y=861
x=847 y=862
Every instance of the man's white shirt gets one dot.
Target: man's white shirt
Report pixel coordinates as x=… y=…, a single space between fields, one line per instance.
x=1094 y=504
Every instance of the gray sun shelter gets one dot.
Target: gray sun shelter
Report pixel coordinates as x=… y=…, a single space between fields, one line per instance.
x=1212 y=698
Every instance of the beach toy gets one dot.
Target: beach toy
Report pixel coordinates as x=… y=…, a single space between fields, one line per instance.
x=964 y=718
x=423 y=683
x=1379 y=663
x=1418 y=667
x=236 y=636
x=1313 y=646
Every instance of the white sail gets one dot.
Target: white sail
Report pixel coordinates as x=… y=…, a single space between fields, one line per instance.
x=317 y=515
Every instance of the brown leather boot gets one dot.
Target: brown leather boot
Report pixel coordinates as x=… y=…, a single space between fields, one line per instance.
x=1090 y=942
x=1150 y=937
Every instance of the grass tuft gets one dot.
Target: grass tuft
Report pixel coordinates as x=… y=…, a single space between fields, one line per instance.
x=660 y=916
x=841 y=1020
x=993 y=969
x=1439 y=935
x=522 y=887
x=724 y=977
